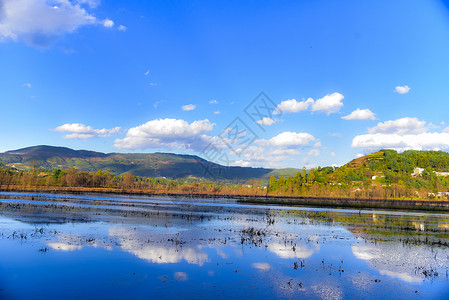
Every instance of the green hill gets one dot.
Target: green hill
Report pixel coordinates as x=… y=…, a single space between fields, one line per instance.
x=140 y=164
x=286 y=172
x=405 y=162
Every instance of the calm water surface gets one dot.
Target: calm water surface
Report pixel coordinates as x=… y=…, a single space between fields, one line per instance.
x=117 y=247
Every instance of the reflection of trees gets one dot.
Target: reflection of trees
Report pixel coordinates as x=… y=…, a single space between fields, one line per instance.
x=378 y=223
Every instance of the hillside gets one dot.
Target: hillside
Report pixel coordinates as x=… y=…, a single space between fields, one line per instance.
x=286 y=172
x=167 y=165
x=405 y=162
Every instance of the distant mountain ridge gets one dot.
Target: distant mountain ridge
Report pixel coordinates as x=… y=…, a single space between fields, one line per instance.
x=167 y=165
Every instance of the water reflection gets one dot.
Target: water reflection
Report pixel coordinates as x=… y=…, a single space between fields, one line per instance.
x=64 y=246
x=284 y=251
x=407 y=263
x=174 y=251
x=130 y=242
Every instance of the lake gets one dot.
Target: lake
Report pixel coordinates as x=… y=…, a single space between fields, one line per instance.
x=118 y=247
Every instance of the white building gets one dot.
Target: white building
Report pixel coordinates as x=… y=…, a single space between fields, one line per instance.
x=417 y=171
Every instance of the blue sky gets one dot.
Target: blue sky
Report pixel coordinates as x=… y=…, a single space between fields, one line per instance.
x=346 y=77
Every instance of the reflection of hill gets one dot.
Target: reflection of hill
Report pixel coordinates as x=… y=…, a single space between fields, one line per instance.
x=391 y=224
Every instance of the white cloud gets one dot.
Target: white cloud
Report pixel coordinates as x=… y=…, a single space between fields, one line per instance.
x=213 y=102
x=293 y=106
x=217 y=112
x=400 y=126
x=167 y=133
x=335 y=134
x=266 y=121
x=81 y=131
x=90 y=3
x=288 y=139
x=146 y=73
x=333 y=154
x=108 y=23
x=255 y=156
x=360 y=114
x=40 y=22
x=328 y=104
x=314 y=152
x=402 y=89
x=402 y=134
x=122 y=28
x=242 y=163
x=285 y=152
x=358 y=155
x=422 y=141
x=188 y=107
x=28 y=85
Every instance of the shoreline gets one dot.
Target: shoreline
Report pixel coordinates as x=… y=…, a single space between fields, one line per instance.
x=317 y=201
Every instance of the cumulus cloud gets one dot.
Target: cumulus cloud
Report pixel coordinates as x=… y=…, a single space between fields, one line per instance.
x=329 y=104
x=289 y=139
x=402 y=89
x=422 y=141
x=400 y=126
x=285 y=152
x=108 y=23
x=255 y=156
x=40 y=22
x=402 y=134
x=293 y=106
x=81 y=131
x=266 y=121
x=217 y=112
x=213 y=102
x=91 y=3
x=314 y=152
x=167 y=133
x=122 y=28
x=188 y=107
x=360 y=114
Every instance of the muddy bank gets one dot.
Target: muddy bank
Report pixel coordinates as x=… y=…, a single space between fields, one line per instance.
x=323 y=201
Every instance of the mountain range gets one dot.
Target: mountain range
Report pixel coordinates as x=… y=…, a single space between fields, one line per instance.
x=167 y=165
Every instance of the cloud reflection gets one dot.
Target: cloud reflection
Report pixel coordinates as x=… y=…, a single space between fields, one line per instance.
x=284 y=251
x=130 y=242
x=64 y=246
